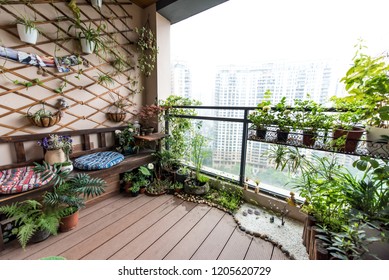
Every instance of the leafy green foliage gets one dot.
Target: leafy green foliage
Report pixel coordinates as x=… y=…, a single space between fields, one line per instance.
x=263 y=116
x=31 y=216
x=147 y=47
x=69 y=191
x=229 y=198
x=179 y=128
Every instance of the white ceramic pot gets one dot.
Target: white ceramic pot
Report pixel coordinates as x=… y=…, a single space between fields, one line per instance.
x=374 y=137
x=28 y=35
x=87 y=46
x=97 y=3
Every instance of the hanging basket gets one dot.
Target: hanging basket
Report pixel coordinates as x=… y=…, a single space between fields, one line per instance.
x=43 y=117
x=116 y=117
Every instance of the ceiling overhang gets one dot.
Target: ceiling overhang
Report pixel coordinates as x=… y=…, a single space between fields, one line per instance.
x=178 y=10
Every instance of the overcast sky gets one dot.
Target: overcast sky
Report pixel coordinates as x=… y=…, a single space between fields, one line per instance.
x=250 y=31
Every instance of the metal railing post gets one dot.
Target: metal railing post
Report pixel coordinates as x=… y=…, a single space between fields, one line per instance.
x=243 y=155
x=167 y=127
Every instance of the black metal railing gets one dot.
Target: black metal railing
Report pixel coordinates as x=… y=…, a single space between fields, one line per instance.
x=295 y=137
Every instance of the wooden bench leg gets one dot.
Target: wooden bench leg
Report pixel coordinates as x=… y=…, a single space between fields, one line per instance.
x=1 y=239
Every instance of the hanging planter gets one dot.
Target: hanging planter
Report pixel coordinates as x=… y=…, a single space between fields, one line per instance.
x=43 y=117
x=87 y=46
x=27 y=33
x=97 y=3
x=147 y=47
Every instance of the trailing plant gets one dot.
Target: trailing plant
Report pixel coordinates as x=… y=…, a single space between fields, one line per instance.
x=147 y=47
x=179 y=128
x=28 y=23
x=61 y=86
x=30 y=217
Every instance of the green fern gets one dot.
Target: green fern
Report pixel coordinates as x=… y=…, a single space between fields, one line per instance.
x=31 y=216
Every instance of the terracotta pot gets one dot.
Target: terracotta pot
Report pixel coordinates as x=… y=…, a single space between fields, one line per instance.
x=142 y=190
x=55 y=156
x=352 y=138
x=69 y=222
x=309 y=138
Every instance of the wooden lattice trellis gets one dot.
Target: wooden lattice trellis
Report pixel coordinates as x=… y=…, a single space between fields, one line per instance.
x=89 y=100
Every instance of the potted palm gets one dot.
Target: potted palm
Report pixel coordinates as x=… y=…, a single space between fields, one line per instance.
x=69 y=192
x=34 y=221
x=27 y=30
x=367 y=82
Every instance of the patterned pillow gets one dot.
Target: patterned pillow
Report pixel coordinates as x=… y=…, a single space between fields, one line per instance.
x=19 y=180
x=96 y=161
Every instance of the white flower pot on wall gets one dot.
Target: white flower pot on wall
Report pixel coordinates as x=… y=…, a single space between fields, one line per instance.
x=87 y=46
x=27 y=34
x=97 y=3
x=374 y=135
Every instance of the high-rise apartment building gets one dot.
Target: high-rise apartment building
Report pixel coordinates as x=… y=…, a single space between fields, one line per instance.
x=245 y=86
x=181 y=82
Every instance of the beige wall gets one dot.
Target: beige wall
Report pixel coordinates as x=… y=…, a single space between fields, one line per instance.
x=163 y=61
x=88 y=100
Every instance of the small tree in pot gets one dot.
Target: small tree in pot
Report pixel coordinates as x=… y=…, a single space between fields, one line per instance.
x=148 y=118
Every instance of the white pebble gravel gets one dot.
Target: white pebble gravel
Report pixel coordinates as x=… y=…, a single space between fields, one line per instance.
x=289 y=236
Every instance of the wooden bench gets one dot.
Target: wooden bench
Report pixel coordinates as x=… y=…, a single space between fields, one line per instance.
x=90 y=141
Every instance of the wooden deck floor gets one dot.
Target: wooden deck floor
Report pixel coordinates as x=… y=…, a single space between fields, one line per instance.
x=156 y=228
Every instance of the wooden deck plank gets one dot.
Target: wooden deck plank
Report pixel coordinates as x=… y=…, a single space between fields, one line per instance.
x=196 y=236
x=92 y=213
x=278 y=255
x=236 y=247
x=142 y=242
x=215 y=240
x=86 y=246
x=14 y=245
x=116 y=243
x=76 y=237
x=259 y=250
x=166 y=242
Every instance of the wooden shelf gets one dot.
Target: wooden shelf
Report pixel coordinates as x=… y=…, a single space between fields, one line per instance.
x=151 y=137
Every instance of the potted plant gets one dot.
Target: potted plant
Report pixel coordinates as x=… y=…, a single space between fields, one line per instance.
x=128 y=179
x=262 y=117
x=117 y=110
x=348 y=129
x=27 y=30
x=147 y=47
x=57 y=149
x=157 y=186
x=90 y=38
x=182 y=174
x=143 y=177
x=283 y=120
x=43 y=117
x=34 y=221
x=168 y=161
x=310 y=118
x=197 y=183
x=135 y=189
x=97 y=3
x=367 y=83
x=126 y=141
x=148 y=118
x=69 y=192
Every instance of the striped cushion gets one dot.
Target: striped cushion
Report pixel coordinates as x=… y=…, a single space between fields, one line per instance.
x=20 y=180
x=96 y=161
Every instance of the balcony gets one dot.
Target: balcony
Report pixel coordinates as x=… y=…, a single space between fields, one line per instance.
x=150 y=228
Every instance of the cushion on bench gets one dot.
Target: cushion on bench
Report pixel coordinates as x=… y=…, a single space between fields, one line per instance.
x=97 y=161
x=19 y=180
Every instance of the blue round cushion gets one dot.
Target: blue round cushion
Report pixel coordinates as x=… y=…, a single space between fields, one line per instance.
x=96 y=161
